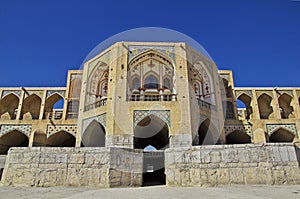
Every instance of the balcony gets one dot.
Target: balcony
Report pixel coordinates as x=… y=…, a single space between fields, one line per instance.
x=56 y=114
x=99 y=103
x=152 y=97
x=206 y=105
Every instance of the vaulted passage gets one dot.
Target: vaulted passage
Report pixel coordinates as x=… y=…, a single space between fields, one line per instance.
x=8 y=106
x=282 y=135
x=154 y=132
x=94 y=135
x=31 y=107
x=238 y=137
x=12 y=139
x=264 y=106
x=61 y=139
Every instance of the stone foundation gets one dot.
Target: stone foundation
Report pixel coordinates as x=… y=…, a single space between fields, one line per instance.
x=232 y=164
x=100 y=167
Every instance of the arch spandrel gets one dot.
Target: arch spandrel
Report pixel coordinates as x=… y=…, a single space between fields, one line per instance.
x=141 y=114
x=22 y=128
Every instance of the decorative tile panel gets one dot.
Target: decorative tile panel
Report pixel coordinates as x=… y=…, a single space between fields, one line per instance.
x=271 y=128
x=169 y=51
x=99 y=118
x=240 y=92
x=23 y=128
x=51 y=129
x=60 y=92
x=289 y=92
x=140 y=115
x=7 y=92
x=246 y=128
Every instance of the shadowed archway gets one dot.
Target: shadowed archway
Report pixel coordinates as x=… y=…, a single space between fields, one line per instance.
x=8 y=106
x=94 y=135
x=281 y=135
x=238 y=137
x=61 y=139
x=13 y=139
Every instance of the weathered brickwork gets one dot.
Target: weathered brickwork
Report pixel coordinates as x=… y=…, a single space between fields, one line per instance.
x=232 y=164
x=100 y=167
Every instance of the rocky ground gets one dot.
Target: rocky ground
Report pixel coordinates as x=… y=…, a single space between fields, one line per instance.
x=238 y=191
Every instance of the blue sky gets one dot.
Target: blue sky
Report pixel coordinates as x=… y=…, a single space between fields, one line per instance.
x=258 y=39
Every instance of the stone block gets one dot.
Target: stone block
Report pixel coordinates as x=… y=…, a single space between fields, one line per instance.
x=236 y=176
x=76 y=158
x=250 y=175
x=223 y=176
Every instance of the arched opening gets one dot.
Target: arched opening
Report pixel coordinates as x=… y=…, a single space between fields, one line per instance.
x=75 y=88
x=244 y=102
x=150 y=76
x=151 y=131
x=228 y=88
x=281 y=135
x=61 y=139
x=8 y=106
x=31 y=107
x=208 y=133
x=74 y=95
x=39 y=139
x=151 y=82
x=150 y=148
x=94 y=135
x=285 y=106
x=12 y=139
x=154 y=133
x=54 y=107
x=264 y=106
x=238 y=137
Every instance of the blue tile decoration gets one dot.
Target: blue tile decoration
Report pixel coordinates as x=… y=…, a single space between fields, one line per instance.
x=139 y=115
x=135 y=50
x=7 y=92
x=99 y=118
x=51 y=129
x=23 y=128
x=60 y=92
x=271 y=128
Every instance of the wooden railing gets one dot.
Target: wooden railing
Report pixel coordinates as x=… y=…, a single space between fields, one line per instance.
x=97 y=104
x=152 y=97
x=56 y=114
x=206 y=105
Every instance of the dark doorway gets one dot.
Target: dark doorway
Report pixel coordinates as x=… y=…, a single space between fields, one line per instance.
x=154 y=168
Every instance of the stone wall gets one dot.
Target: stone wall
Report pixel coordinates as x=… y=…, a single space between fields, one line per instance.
x=232 y=164
x=101 y=167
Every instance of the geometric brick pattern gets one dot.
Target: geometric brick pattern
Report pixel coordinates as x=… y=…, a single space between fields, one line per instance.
x=140 y=115
x=99 y=118
x=69 y=128
x=7 y=92
x=246 y=128
x=271 y=128
x=23 y=128
x=60 y=92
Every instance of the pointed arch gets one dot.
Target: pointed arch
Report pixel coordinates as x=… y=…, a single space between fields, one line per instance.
x=8 y=106
x=150 y=54
x=94 y=135
x=151 y=131
x=31 y=107
x=49 y=104
x=264 y=106
x=208 y=134
x=228 y=88
x=237 y=137
x=281 y=135
x=13 y=138
x=75 y=88
x=285 y=106
x=246 y=99
x=61 y=139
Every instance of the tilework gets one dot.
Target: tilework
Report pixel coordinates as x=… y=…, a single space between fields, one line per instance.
x=99 y=118
x=240 y=92
x=246 y=128
x=271 y=128
x=51 y=129
x=105 y=58
x=7 y=92
x=289 y=92
x=169 y=51
x=140 y=115
x=60 y=92
x=23 y=128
